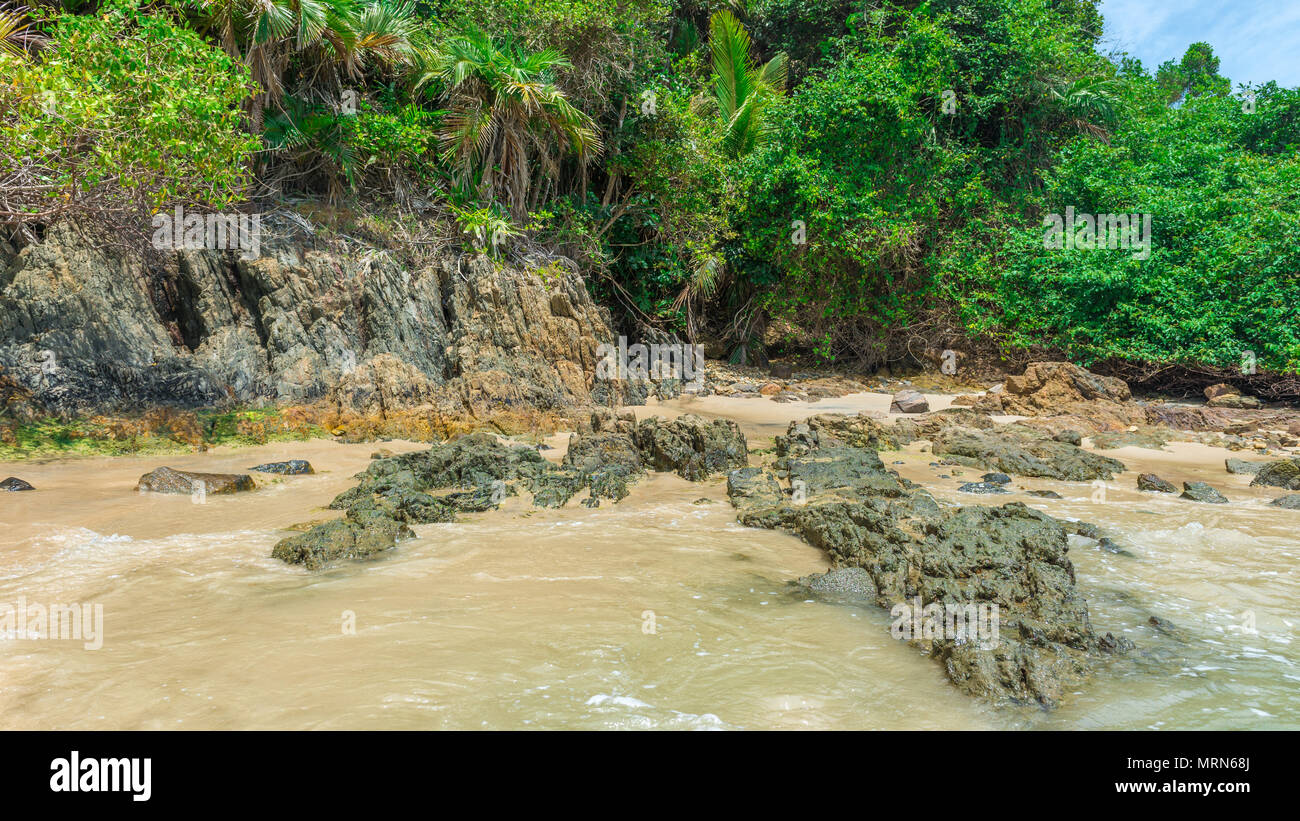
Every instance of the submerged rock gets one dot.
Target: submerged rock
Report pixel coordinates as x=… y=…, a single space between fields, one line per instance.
x=1201 y=492
x=1291 y=501
x=1153 y=483
x=13 y=483
x=1045 y=494
x=292 y=467
x=358 y=535
x=169 y=480
x=851 y=585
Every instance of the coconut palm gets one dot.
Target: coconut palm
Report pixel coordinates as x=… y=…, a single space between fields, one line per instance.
x=507 y=118
x=741 y=88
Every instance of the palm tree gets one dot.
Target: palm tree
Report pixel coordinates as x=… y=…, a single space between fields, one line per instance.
x=328 y=36
x=17 y=36
x=506 y=114
x=741 y=88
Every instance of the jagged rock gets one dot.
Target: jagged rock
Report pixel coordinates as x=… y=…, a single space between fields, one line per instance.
x=982 y=487
x=15 y=484
x=866 y=517
x=1201 y=492
x=909 y=402
x=1024 y=452
x=169 y=480
x=1284 y=474
x=1152 y=482
x=1291 y=501
x=691 y=446
x=1236 y=402
x=1048 y=387
x=1240 y=466
x=304 y=321
x=292 y=467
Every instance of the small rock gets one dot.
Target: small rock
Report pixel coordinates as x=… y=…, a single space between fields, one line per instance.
x=382 y=453
x=293 y=467
x=590 y=501
x=995 y=478
x=1072 y=437
x=1201 y=492
x=1152 y=482
x=1291 y=501
x=703 y=500
x=1221 y=389
x=1046 y=494
x=1241 y=466
x=15 y=484
x=770 y=389
x=909 y=402
x=1110 y=547
x=982 y=487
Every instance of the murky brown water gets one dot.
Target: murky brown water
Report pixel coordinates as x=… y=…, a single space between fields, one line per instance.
x=655 y=613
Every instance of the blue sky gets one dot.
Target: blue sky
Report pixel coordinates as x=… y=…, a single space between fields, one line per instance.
x=1255 y=40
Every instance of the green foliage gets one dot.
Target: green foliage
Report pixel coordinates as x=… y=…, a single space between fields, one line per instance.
x=1222 y=277
x=124 y=112
x=507 y=122
x=742 y=89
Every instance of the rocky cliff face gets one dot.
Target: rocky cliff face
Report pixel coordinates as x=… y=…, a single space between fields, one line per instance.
x=97 y=329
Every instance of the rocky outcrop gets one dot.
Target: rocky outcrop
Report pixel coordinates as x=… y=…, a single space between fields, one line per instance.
x=476 y=472
x=85 y=328
x=1023 y=451
x=842 y=499
x=1284 y=474
x=1049 y=387
x=169 y=480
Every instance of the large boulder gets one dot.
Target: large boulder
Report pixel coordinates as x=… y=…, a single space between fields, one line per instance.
x=170 y=480
x=691 y=446
x=1048 y=387
x=909 y=402
x=1284 y=474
